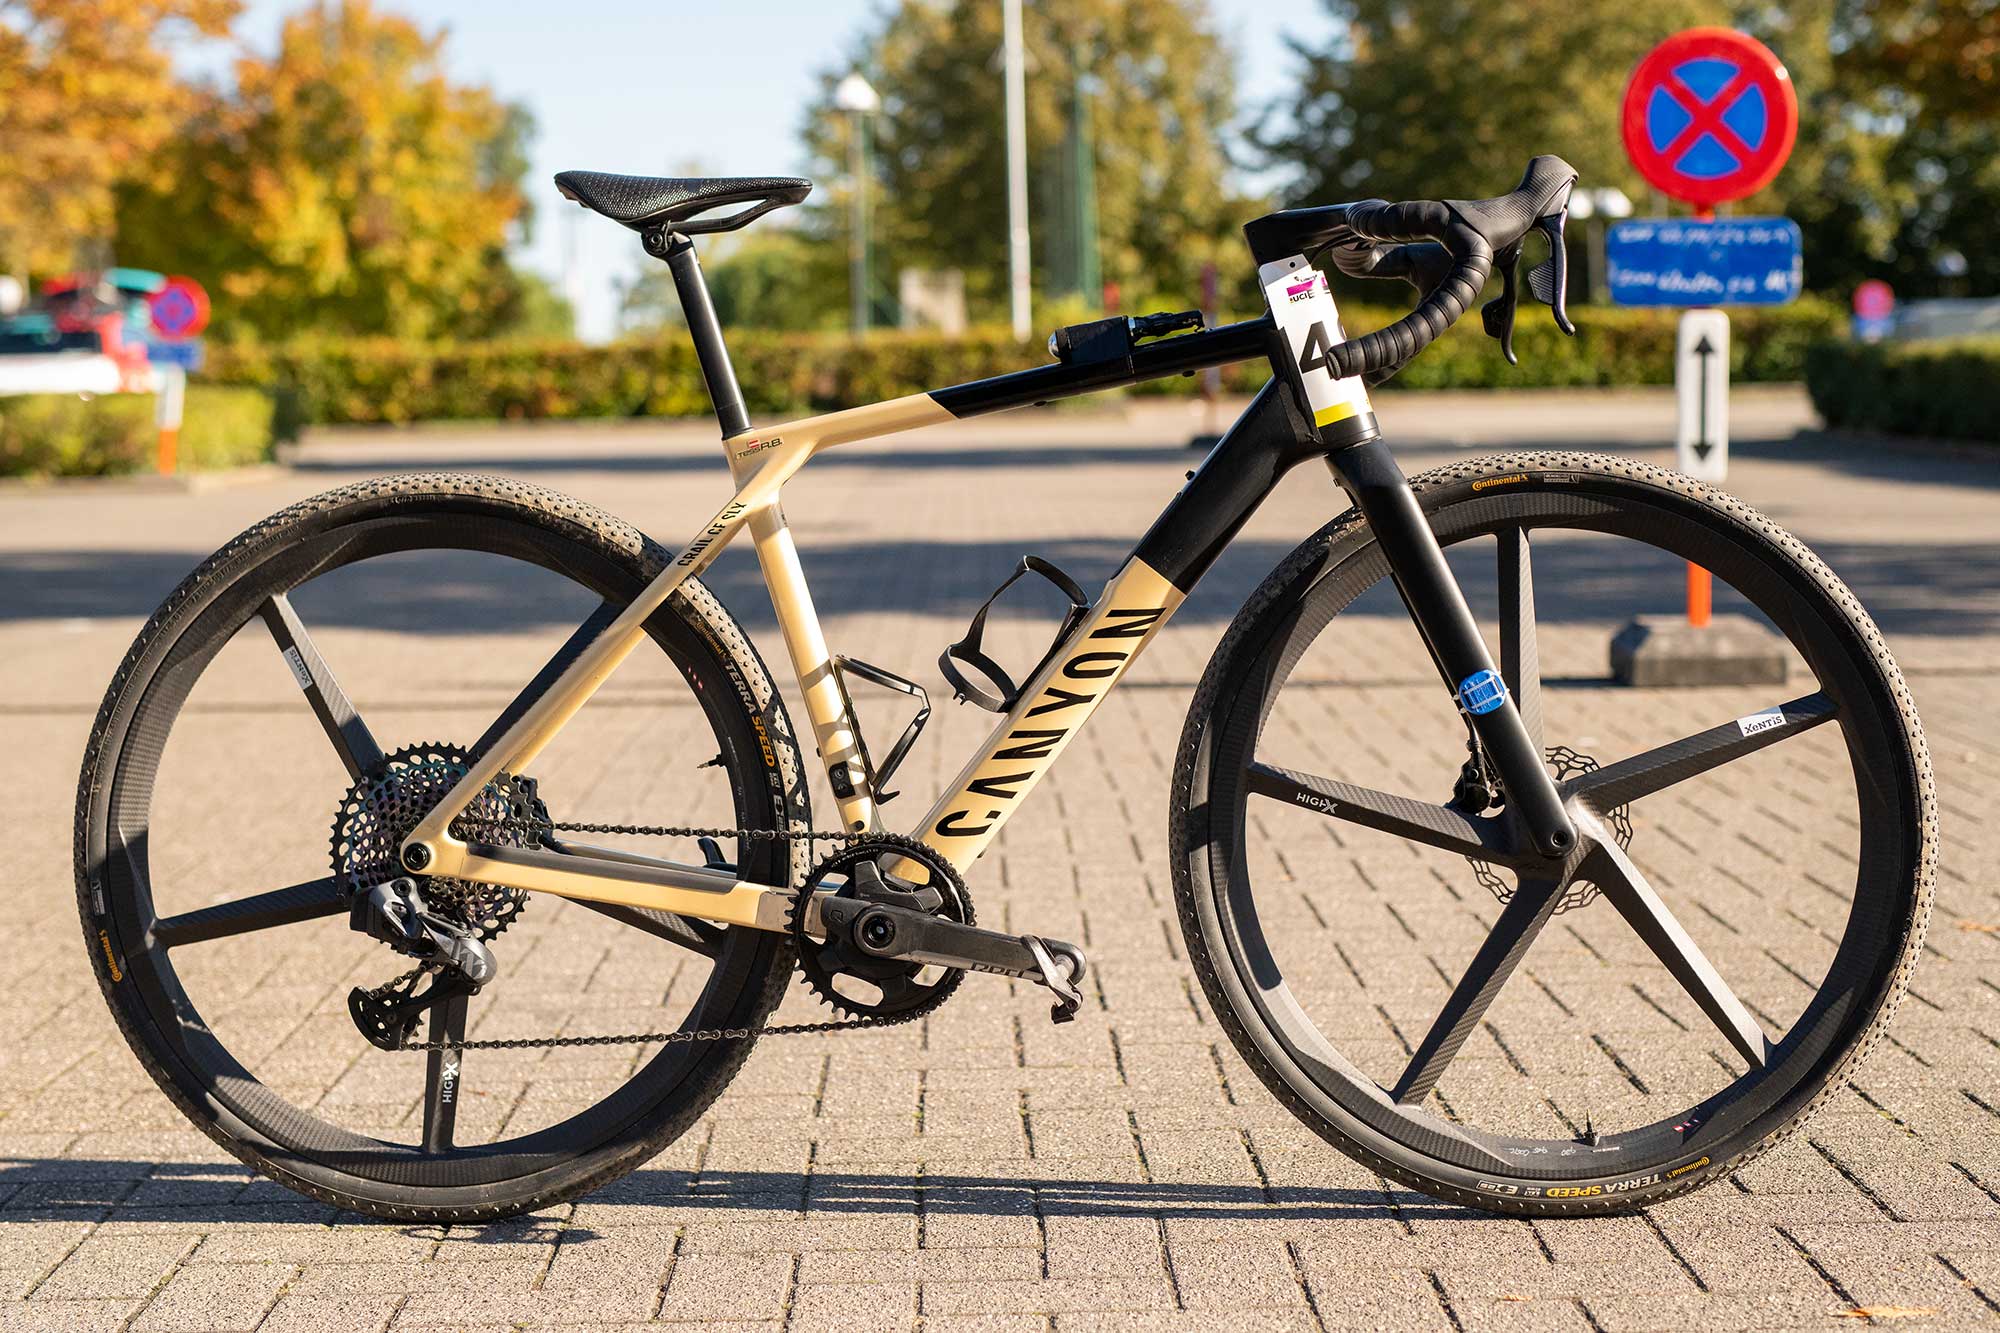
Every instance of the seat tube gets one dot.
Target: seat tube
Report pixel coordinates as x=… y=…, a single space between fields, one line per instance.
x=1370 y=474
x=703 y=328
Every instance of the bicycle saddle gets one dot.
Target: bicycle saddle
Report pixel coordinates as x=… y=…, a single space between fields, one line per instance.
x=640 y=202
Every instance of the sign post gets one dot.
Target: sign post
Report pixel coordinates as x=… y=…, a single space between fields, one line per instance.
x=1709 y=116
x=179 y=312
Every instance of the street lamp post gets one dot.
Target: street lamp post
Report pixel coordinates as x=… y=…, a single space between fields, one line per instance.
x=1017 y=167
x=858 y=99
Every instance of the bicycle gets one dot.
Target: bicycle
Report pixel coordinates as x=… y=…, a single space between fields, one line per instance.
x=437 y=847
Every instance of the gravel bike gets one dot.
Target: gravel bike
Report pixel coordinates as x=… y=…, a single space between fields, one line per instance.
x=437 y=846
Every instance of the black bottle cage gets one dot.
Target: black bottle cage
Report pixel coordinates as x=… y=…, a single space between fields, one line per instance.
x=967 y=652
x=878 y=778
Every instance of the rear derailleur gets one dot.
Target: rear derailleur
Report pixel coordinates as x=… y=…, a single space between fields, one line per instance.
x=454 y=957
x=898 y=935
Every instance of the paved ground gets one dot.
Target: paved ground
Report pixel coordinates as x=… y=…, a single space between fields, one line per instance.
x=982 y=1170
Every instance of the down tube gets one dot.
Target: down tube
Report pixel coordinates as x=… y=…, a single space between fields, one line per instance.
x=1265 y=443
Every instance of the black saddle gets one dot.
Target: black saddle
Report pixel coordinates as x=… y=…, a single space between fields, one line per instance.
x=675 y=202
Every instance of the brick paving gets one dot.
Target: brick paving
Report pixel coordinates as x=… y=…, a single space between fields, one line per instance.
x=983 y=1170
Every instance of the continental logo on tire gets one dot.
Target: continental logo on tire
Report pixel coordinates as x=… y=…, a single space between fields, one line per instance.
x=1486 y=482
x=110 y=955
x=1696 y=1165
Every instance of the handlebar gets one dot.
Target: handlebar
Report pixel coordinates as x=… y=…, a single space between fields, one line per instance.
x=1447 y=249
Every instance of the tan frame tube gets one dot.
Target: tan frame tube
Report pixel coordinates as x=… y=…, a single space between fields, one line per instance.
x=1017 y=753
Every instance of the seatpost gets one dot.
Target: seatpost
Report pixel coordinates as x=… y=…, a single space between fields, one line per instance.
x=703 y=327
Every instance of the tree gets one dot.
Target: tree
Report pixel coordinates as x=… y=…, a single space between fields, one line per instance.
x=1159 y=84
x=347 y=186
x=86 y=92
x=1912 y=92
x=1416 y=99
x=1896 y=156
x=763 y=278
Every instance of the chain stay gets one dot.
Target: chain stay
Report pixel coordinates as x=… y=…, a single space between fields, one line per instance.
x=679 y=1038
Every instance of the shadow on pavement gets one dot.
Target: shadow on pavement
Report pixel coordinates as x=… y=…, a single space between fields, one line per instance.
x=1909 y=588
x=180 y=1192
x=1880 y=458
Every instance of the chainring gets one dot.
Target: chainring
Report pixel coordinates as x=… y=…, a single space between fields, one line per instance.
x=902 y=992
x=379 y=811
x=1566 y=764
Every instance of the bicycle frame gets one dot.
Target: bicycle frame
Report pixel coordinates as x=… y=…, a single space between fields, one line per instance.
x=1271 y=437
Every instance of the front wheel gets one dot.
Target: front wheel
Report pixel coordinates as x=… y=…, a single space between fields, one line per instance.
x=1585 y=1041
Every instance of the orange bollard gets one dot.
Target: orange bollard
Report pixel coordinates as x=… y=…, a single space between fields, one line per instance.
x=1700 y=595
x=172 y=391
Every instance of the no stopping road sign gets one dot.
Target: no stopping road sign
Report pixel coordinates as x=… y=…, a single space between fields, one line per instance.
x=1710 y=115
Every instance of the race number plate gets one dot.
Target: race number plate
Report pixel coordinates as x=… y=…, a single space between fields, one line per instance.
x=1306 y=316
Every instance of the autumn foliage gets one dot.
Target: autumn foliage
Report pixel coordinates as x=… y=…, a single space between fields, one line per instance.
x=346 y=185
x=86 y=95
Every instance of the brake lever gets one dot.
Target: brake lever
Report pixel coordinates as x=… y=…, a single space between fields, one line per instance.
x=1498 y=314
x=1549 y=280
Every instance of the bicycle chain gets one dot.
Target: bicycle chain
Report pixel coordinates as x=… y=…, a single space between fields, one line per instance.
x=679 y=1038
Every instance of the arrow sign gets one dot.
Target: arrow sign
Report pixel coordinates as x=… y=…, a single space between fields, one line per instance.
x=1703 y=445
x=1701 y=391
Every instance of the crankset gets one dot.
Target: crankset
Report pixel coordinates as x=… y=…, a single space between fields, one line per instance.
x=893 y=912
x=899 y=910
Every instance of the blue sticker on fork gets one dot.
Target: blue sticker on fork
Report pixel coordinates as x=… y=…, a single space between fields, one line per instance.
x=1482 y=692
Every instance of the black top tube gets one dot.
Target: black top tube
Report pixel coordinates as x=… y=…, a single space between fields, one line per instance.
x=1148 y=361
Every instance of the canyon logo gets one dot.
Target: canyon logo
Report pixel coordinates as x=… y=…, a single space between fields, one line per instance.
x=1027 y=749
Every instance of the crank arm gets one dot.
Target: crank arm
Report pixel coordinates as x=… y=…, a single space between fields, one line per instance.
x=902 y=933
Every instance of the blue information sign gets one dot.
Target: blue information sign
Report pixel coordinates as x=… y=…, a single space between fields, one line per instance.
x=1730 y=261
x=187 y=353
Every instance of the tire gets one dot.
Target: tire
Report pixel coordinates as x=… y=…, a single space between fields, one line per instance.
x=1213 y=842
x=164 y=1025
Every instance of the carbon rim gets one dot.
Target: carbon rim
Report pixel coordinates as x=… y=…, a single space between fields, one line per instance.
x=167 y=1019
x=1858 y=981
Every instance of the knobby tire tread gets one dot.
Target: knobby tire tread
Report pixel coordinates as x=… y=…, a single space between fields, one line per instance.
x=1348 y=533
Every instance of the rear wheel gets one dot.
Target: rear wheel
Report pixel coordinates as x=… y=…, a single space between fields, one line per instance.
x=1747 y=920
x=228 y=751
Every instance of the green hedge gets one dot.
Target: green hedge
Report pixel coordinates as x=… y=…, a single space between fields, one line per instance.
x=387 y=381
x=62 y=435
x=1947 y=388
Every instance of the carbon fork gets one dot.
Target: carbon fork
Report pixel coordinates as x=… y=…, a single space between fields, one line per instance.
x=1369 y=473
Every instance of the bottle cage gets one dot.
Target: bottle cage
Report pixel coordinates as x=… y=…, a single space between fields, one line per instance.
x=878 y=778
x=1000 y=691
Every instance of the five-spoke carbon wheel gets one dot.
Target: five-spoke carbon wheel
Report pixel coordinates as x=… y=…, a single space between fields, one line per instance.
x=217 y=922
x=1732 y=933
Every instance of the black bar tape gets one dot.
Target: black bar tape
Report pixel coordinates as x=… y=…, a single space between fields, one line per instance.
x=1407 y=223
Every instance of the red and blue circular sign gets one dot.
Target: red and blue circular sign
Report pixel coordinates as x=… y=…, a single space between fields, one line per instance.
x=1710 y=116
x=179 y=309
x=1874 y=299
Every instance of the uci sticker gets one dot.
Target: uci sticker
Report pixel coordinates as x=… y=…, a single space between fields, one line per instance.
x=1768 y=720
x=1306 y=316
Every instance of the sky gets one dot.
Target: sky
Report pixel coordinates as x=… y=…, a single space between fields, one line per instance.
x=652 y=86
